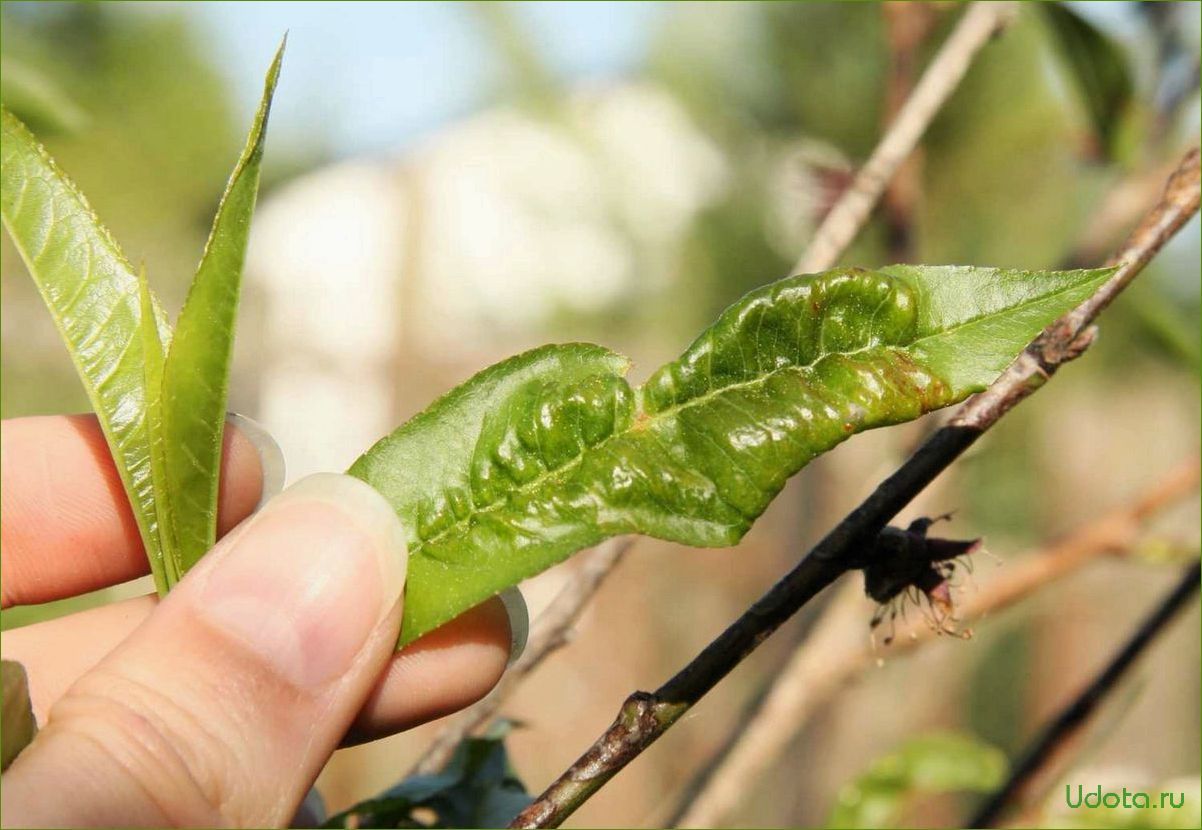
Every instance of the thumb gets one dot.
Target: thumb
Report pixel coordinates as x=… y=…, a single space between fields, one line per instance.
x=222 y=708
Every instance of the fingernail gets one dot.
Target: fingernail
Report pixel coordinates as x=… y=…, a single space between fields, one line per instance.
x=310 y=577
x=271 y=457
x=519 y=622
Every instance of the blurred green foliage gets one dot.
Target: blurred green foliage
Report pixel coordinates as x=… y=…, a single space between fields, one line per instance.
x=1003 y=180
x=927 y=765
x=160 y=131
x=1102 y=73
x=477 y=788
x=1005 y=651
x=37 y=99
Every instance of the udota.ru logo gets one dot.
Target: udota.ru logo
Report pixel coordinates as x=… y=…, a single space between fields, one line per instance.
x=1129 y=799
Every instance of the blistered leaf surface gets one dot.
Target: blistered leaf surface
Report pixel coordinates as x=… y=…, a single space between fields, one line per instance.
x=554 y=450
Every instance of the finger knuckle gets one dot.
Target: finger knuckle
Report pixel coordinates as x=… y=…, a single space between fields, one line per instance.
x=152 y=741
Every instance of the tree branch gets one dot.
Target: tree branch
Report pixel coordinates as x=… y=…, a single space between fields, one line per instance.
x=644 y=717
x=1073 y=716
x=836 y=653
x=832 y=656
x=551 y=631
x=979 y=24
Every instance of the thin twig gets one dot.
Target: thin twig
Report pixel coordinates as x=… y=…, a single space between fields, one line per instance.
x=837 y=653
x=1074 y=715
x=644 y=717
x=550 y=632
x=907 y=26
x=979 y=24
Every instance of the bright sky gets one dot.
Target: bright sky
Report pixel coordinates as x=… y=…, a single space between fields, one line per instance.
x=374 y=76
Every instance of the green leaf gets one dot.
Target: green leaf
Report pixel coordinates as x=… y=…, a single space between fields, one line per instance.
x=478 y=788
x=928 y=765
x=93 y=296
x=972 y=322
x=17 y=724
x=162 y=548
x=196 y=371
x=37 y=98
x=1168 y=325
x=1097 y=65
x=553 y=450
x=162 y=408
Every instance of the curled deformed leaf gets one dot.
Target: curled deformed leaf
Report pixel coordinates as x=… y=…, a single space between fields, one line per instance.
x=554 y=450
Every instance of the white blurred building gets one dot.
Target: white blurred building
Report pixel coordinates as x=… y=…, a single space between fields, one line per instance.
x=462 y=248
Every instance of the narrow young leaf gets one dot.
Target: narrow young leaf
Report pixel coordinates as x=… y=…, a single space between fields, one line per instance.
x=553 y=450
x=93 y=296
x=196 y=371
x=161 y=549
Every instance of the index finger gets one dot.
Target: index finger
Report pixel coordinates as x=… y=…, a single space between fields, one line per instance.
x=68 y=527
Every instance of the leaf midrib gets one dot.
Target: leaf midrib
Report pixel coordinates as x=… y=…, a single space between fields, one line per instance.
x=1007 y=312
x=637 y=424
x=68 y=183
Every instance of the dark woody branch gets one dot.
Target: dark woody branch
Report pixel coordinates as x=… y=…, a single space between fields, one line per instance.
x=1073 y=716
x=644 y=717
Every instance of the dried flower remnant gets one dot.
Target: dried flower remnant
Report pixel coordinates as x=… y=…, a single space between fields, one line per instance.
x=907 y=566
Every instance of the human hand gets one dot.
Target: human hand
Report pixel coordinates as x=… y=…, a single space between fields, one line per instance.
x=220 y=704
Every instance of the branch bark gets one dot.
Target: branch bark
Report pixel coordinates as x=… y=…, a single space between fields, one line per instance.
x=551 y=631
x=836 y=653
x=1070 y=719
x=644 y=717
x=979 y=24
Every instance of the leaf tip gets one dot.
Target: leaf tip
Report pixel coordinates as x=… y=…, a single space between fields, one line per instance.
x=273 y=72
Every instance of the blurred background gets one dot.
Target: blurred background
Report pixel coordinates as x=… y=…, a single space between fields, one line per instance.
x=447 y=184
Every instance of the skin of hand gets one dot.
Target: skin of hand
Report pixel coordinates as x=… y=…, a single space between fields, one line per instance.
x=219 y=704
